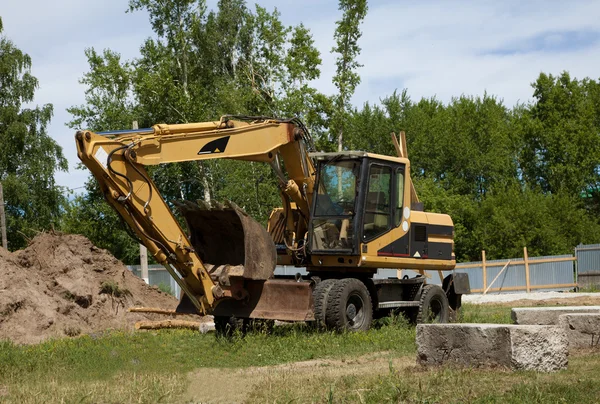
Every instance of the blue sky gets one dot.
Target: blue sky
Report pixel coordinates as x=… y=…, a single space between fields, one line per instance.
x=436 y=48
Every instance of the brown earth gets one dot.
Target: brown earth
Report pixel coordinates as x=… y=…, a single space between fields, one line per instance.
x=62 y=285
x=235 y=385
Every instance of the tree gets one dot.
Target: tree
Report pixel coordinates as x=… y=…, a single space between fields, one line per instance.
x=561 y=129
x=200 y=65
x=30 y=157
x=346 y=79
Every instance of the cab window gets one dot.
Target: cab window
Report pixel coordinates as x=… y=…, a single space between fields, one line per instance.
x=399 y=196
x=377 y=204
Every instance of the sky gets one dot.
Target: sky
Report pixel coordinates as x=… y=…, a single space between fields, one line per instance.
x=438 y=48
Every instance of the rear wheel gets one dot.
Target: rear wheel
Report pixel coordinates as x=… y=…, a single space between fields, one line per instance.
x=434 y=307
x=349 y=306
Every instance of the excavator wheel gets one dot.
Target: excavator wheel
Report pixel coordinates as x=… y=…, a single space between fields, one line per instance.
x=433 y=307
x=256 y=325
x=229 y=326
x=349 y=306
x=320 y=295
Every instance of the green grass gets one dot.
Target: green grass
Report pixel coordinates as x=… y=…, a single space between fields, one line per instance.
x=160 y=360
x=484 y=313
x=154 y=366
x=578 y=384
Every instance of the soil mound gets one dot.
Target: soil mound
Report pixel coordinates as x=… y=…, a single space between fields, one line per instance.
x=62 y=285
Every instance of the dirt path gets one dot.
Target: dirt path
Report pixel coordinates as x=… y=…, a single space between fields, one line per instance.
x=211 y=385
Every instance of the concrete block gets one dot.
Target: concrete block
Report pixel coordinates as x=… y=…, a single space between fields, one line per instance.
x=547 y=315
x=583 y=329
x=519 y=347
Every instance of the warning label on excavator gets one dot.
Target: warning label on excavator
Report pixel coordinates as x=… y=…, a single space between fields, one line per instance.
x=102 y=156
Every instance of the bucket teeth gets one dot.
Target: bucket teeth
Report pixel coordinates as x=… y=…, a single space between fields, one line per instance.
x=202 y=205
x=216 y=205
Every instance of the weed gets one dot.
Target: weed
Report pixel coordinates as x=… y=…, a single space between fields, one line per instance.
x=72 y=331
x=166 y=288
x=113 y=289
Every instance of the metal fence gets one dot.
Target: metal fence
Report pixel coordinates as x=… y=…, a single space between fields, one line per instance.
x=588 y=265
x=523 y=274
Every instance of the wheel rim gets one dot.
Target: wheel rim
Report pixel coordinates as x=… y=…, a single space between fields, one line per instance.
x=355 y=311
x=434 y=311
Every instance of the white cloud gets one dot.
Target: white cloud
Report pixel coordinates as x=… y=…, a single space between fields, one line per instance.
x=431 y=47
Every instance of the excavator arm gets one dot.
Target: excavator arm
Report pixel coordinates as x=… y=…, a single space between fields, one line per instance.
x=118 y=159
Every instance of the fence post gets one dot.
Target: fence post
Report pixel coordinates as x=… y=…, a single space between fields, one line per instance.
x=526 y=259
x=576 y=261
x=3 y=220
x=484 y=269
x=143 y=249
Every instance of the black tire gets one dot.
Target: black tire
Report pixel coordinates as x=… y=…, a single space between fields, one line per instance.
x=433 y=307
x=260 y=326
x=320 y=294
x=228 y=326
x=349 y=306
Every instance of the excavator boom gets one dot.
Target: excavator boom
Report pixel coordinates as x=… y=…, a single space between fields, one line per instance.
x=225 y=246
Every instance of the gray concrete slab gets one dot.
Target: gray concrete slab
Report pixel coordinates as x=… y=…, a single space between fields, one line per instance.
x=518 y=347
x=582 y=329
x=547 y=315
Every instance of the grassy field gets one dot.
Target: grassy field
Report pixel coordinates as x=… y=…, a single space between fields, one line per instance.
x=292 y=365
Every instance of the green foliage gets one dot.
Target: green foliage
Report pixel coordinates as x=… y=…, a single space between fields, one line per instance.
x=347 y=34
x=90 y=215
x=29 y=156
x=509 y=177
x=469 y=158
x=166 y=288
x=198 y=66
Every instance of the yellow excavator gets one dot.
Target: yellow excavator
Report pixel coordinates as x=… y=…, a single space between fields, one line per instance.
x=343 y=216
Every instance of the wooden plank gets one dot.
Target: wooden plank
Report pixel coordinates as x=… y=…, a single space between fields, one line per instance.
x=497 y=276
x=519 y=262
x=154 y=310
x=157 y=325
x=396 y=144
x=458 y=266
x=546 y=260
x=526 y=259
x=484 y=268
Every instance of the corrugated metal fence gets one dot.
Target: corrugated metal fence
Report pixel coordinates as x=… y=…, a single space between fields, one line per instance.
x=557 y=273
x=588 y=265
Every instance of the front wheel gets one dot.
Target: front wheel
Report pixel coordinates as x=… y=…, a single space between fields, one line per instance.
x=434 y=307
x=349 y=306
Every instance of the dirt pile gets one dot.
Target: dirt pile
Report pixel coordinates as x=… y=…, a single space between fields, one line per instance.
x=61 y=284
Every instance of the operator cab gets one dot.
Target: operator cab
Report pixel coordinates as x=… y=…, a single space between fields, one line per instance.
x=358 y=197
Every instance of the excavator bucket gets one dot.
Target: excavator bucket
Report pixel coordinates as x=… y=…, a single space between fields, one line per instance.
x=226 y=235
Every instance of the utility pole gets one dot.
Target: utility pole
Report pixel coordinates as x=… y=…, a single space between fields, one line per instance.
x=3 y=219
x=143 y=249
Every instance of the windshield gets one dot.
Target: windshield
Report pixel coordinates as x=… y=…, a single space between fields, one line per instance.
x=337 y=188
